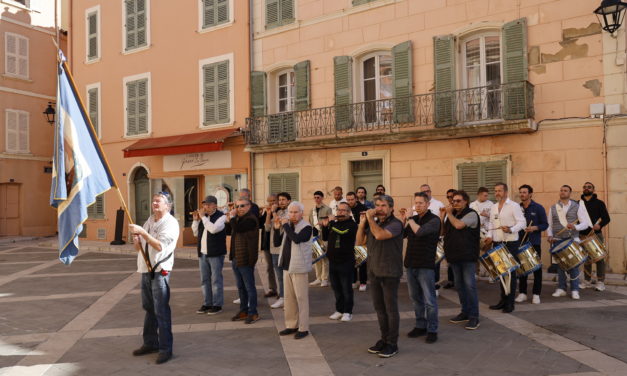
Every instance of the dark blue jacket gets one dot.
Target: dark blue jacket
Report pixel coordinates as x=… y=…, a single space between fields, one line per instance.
x=536 y=213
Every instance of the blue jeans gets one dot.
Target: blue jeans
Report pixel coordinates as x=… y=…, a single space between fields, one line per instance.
x=278 y=271
x=574 y=279
x=158 y=319
x=421 y=285
x=245 y=278
x=211 y=280
x=466 y=284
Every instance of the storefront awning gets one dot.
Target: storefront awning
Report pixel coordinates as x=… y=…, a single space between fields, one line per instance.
x=181 y=144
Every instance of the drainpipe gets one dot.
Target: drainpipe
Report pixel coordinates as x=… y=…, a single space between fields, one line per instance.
x=251 y=161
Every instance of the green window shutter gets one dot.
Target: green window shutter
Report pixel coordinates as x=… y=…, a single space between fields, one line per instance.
x=216 y=93
x=514 y=50
x=141 y=23
x=403 y=79
x=92 y=36
x=131 y=108
x=92 y=103
x=222 y=15
x=131 y=25
x=286 y=11
x=275 y=180
x=469 y=178
x=96 y=210
x=342 y=70
x=215 y=12
x=287 y=182
x=360 y=2
x=444 y=61
x=142 y=106
x=492 y=173
x=209 y=94
x=274 y=128
x=223 y=92
x=301 y=71
x=272 y=14
x=258 y=83
x=281 y=127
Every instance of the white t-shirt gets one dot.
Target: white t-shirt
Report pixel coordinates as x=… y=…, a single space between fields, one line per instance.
x=166 y=231
x=435 y=205
x=479 y=207
x=333 y=205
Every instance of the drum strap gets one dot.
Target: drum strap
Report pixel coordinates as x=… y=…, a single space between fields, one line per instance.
x=561 y=214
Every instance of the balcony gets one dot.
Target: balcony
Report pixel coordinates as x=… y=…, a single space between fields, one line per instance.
x=479 y=111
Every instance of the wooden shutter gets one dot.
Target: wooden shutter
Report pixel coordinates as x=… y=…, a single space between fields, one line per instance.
x=403 y=79
x=209 y=93
x=92 y=36
x=131 y=25
x=272 y=14
x=301 y=71
x=343 y=91
x=223 y=92
x=444 y=62
x=275 y=182
x=23 y=133
x=286 y=11
x=215 y=12
x=142 y=106
x=131 y=108
x=216 y=93
x=92 y=103
x=10 y=51
x=471 y=176
x=11 y=131
x=514 y=57
x=258 y=83
x=96 y=210
x=222 y=15
x=492 y=173
x=287 y=182
x=22 y=52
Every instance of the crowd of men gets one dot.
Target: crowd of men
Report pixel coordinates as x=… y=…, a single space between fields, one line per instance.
x=283 y=235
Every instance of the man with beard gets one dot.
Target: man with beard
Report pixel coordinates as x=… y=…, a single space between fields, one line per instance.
x=599 y=218
x=356 y=209
x=337 y=198
x=319 y=211
x=265 y=246
x=362 y=195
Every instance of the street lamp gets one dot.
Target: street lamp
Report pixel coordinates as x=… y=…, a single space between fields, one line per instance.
x=49 y=112
x=611 y=14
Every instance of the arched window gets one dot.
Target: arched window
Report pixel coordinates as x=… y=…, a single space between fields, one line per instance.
x=376 y=86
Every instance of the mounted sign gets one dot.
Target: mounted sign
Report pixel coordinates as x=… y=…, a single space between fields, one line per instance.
x=197 y=161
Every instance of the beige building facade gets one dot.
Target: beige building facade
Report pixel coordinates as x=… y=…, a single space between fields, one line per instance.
x=167 y=95
x=455 y=94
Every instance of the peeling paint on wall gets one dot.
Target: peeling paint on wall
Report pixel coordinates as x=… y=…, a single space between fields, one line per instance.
x=538 y=69
x=594 y=86
x=573 y=33
x=570 y=48
x=534 y=55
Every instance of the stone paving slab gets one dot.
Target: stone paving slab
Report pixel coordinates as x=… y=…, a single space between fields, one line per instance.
x=62 y=284
x=33 y=250
x=490 y=350
x=129 y=265
x=27 y=256
x=6 y=269
x=10 y=354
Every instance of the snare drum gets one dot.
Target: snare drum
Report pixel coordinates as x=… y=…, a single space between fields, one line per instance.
x=528 y=258
x=318 y=250
x=361 y=254
x=439 y=252
x=498 y=262
x=594 y=248
x=568 y=254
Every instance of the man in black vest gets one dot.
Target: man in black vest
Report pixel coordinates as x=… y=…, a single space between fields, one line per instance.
x=422 y=232
x=599 y=218
x=461 y=248
x=208 y=227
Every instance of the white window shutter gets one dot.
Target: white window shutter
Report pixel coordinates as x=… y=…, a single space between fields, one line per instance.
x=12 y=132
x=23 y=132
x=11 y=54
x=22 y=51
x=131 y=108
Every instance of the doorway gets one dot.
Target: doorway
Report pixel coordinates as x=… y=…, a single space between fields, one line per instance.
x=367 y=173
x=9 y=209
x=142 y=196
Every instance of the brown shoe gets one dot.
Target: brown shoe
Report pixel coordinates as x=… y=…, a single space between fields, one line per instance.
x=240 y=316
x=269 y=294
x=251 y=319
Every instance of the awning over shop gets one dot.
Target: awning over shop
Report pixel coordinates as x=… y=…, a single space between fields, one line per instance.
x=181 y=144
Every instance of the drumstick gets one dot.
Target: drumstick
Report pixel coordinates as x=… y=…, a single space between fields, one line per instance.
x=526 y=233
x=565 y=228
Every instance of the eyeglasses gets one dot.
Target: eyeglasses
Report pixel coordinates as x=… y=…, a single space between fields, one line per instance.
x=241 y=206
x=449 y=197
x=588 y=186
x=458 y=201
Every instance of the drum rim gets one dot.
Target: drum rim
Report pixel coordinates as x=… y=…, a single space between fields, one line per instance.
x=570 y=241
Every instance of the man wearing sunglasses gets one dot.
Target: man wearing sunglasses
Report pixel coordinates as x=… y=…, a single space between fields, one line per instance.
x=599 y=218
x=450 y=283
x=242 y=225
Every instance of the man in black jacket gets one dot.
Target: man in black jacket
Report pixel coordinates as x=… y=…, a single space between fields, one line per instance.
x=422 y=232
x=461 y=248
x=340 y=235
x=356 y=208
x=599 y=218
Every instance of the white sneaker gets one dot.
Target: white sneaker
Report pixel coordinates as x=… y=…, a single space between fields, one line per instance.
x=584 y=284
x=355 y=285
x=236 y=301
x=363 y=287
x=600 y=286
x=521 y=298
x=336 y=315
x=278 y=303
x=315 y=283
x=535 y=299
x=324 y=283
x=575 y=295
x=346 y=317
x=558 y=293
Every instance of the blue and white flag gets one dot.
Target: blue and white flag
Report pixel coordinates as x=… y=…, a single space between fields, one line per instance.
x=79 y=170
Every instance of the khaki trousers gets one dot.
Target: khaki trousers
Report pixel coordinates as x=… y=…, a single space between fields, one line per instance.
x=296 y=300
x=322 y=269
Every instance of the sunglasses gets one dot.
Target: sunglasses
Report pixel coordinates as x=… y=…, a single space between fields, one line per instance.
x=458 y=201
x=241 y=206
x=588 y=186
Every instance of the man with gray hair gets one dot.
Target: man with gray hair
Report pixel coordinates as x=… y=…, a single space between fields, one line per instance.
x=382 y=232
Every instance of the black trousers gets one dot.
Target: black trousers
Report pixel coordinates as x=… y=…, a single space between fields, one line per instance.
x=512 y=247
x=361 y=273
x=384 y=292
x=341 y=278
x=537 y=276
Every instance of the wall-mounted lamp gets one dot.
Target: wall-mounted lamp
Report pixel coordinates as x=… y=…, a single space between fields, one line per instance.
x=611 y=14
x=49 y=112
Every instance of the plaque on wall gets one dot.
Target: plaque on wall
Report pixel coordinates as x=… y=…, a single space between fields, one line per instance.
x=197 y=161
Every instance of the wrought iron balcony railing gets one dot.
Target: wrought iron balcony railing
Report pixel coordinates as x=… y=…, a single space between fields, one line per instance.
x=441 y=109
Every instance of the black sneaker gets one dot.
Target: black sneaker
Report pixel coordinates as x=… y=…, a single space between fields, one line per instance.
x=472 y=324
x=163 y=357
x=288 y=331
x=300 y=334
x=449 y=285
x=204 y=309
x=431 y=337
x=214 y=310
x=417 y=332
x=377 y=347
x=459 y=318
x=388 y=351
x=145 y=350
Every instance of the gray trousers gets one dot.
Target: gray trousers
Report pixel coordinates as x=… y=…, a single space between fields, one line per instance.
x=384 y=292
x=587 y=268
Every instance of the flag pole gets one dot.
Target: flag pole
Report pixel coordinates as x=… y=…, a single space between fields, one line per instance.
x=106 y=161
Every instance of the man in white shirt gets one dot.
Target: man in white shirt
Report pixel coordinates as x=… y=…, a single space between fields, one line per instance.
x=158 y=239
x=566 y=219
x=483 y=206
x=337 y=198
x=434 y=204
x=208 y=227
x=506 y=220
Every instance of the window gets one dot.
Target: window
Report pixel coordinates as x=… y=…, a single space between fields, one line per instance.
x=93 y=33
x=137 y=98
x=360 y=2
x=217 y=90
x=16 y=131
x=279 y=13
x=136 y=24
x=16 y=55
x=376 y=85
x=286 y=91
x=96 y=210
x=471 y=176
x=25 y=3
x=287 y=182
x=481 y=72
x=93 y=106
x=215 y=12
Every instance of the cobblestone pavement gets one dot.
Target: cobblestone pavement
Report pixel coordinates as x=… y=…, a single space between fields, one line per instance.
x=86 y=319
